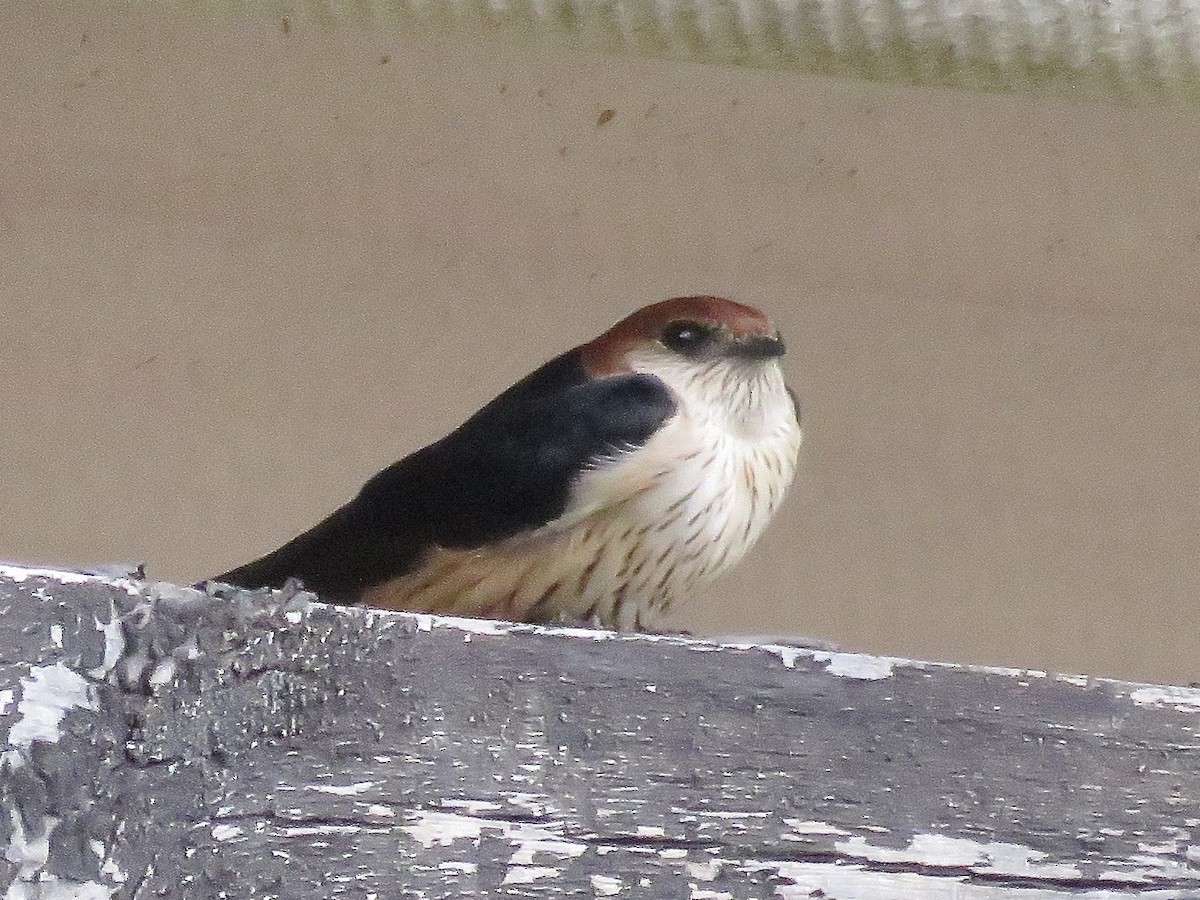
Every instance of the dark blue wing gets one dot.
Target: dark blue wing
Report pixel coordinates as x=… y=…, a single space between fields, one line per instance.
x=507 y=469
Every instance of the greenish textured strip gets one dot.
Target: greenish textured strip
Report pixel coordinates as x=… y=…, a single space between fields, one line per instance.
x=1122 y=49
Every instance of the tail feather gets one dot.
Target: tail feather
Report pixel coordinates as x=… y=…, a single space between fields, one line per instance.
x=338 y=559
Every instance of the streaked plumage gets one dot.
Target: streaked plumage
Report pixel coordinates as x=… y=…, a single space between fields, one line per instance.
x=604 y=487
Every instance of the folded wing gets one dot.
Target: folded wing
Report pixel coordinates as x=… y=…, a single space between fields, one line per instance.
x=508 y=469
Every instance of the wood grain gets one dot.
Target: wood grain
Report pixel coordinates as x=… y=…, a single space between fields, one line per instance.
x=166 y=742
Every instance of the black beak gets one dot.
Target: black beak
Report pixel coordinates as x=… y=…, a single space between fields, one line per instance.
x=759 y=347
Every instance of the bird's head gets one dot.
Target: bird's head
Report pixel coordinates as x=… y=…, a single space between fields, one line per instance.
x=688 y=330
x=708 y=349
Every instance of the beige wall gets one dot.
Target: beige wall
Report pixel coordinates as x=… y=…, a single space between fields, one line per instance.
x=240 y=270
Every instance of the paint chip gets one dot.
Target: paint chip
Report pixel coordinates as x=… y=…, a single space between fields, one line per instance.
x=606 y=885
x=342 y=790
x=859 y=666
x=1182 y=699
x=529 y=874
x=47 y=695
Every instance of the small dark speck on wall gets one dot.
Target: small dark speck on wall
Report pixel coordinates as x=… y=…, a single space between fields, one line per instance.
x=606 y=116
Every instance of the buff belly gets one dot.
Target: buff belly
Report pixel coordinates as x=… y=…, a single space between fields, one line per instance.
x=645 y=531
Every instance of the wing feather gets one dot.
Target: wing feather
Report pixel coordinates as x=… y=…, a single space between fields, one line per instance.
x=510 y=468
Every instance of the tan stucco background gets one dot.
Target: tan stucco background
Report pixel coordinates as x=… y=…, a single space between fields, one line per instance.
x=243 y=266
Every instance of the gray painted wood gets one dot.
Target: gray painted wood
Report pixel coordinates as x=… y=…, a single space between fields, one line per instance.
x=162 y=742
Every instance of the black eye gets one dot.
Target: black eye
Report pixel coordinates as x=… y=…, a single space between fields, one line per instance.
x=687 y=337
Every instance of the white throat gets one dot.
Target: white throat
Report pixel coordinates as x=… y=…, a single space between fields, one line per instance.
x=747 y=399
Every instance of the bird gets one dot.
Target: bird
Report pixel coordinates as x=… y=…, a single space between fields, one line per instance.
x=603 y=489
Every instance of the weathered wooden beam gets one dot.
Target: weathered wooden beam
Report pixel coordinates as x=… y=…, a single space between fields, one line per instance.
x=167 y=742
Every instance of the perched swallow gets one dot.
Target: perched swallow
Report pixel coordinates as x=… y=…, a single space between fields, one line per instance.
x=602 y=488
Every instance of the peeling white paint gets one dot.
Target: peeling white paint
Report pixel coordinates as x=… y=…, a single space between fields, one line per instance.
x=809 y=826
x=48 y=693
x=114 y=643
x=842 y=882
x=30 y=882
x=534 y=804
x=1005 y=671
x=472 y=807
x=529 y=874
x=427 y=622
x=593 y=634
x=56 y=636
x=20 y=574
x=342 y=790
x=848 y=665
x=111 y=870
x=1076 y=680
x=28 y=852
x=497 y=628
x=433 y=828
x=440 y=829
x=164 y=672
x=175 y=596
x=108 y=867
x=788 y=655
x=939 y=850
x=606 y=885
x=1162 y=861
x=1181 y=699
x=50 y=887
x=704 y=894
x=531 y=842
x=706 y=870
x=477 y=626
x=602 y=849
x=859 y=666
